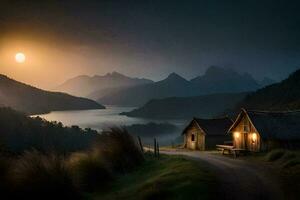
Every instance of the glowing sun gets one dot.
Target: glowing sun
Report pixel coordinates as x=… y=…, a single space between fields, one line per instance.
x=20 y=57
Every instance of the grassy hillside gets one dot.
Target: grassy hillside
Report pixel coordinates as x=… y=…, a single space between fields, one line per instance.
x=32 y=100
x=286 y=165
x=280 y=96
x=188 y=107
x=170 y=177
x=47 y=175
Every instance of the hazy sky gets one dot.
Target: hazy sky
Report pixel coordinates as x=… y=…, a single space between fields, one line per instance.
x=62 y=39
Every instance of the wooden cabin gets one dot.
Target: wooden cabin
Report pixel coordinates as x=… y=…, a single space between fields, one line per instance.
x=261 y=131
x=202 y=134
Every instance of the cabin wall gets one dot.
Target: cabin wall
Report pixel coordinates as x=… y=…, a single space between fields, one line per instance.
x=245 y=136
x=196 y=142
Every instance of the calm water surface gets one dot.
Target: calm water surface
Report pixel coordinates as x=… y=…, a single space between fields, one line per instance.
x=102 y=118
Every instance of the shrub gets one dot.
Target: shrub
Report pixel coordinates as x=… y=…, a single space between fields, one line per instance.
x=119 y=150
x=89 y=171
x=275 y=155
x=288 y=156
x=39 y=176
x=291 y=163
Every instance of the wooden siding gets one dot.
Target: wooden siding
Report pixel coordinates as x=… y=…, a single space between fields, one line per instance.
x=248 y=137
x=199 y=137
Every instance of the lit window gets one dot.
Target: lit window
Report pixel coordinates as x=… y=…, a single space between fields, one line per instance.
x=236 y=135
x=193 y=137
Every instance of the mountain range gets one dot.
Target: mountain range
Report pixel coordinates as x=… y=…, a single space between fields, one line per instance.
x=284 y=95
x=95 y=85
x=32 y=100
x=206 y=106
x=215 y=80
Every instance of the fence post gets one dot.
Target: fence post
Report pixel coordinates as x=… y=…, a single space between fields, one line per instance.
x=154 y=147
x=157 y=148
x=141 y=144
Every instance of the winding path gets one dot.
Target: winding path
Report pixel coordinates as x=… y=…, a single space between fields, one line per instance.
x=239 y=179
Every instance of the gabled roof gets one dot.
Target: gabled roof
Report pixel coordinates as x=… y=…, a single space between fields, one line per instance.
x=215 y=126
x=273 y=125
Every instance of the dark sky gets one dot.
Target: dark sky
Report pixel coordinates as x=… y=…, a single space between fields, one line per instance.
x=154 y=38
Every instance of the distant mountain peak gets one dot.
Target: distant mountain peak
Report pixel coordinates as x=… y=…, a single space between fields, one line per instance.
x=174 y=76
x=20 y=96
x=93 y=85
x=115 y=74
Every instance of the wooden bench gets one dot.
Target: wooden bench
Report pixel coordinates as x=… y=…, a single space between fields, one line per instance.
x=224 y=148
x=230 y=149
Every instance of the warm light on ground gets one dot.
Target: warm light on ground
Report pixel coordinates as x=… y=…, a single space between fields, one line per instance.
x=20 y=57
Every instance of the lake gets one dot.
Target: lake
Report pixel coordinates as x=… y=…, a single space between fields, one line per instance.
x=101 y=118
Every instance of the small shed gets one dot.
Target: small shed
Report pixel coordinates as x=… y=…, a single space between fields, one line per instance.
x=202 y=134
x=264 y=130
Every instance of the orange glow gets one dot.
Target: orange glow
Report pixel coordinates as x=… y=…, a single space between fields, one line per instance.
x=254 y=136
x=20 y=57
x=236 y=134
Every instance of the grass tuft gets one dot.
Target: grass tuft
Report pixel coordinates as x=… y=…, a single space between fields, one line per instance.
x=37 y=175
x=119 y=150
x=275 y=155
x=90 y=172
x=291 y=163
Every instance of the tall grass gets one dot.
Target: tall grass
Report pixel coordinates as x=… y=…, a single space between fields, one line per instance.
x=90 y=172
x=275 y=155
x=284 y=158
x=119 y=150
x=37 y=175
x=43 y=176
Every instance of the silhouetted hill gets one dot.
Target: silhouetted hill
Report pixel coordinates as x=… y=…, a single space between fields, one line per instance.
x=92 y=87
x=215 y=80
x=266 y=81
x=32 y=100
x=173 y=85
x=187 y=107
x=279 y=96
x=221 y=80
x=19 y=132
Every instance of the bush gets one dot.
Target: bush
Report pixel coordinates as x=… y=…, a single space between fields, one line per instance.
x=89 y=171
x=288 y=156
x=119 y=150
x=275 y=155
x=291 y=163
x=39 y=176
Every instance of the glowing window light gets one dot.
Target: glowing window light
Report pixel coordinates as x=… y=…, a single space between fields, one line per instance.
x=236 y=135
x=254 y=136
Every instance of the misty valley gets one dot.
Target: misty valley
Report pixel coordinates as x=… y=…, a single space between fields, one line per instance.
x=167 y=132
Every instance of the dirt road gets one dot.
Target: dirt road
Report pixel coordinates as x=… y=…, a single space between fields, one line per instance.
x=239 y=179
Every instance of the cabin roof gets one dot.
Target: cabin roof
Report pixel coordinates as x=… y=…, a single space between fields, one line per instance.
x=215 y=126
x=276 y=125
